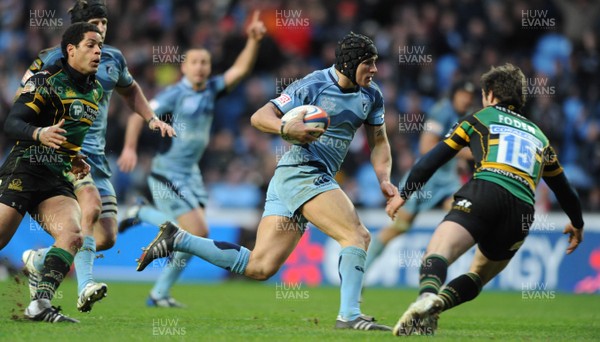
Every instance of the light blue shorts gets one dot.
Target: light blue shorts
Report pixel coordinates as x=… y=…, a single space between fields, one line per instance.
x=99 y=177
x=176 y=194
x=292 y=186
x=100 y=172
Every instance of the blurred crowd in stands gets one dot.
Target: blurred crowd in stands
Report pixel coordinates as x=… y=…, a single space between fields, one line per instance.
x=424 y=46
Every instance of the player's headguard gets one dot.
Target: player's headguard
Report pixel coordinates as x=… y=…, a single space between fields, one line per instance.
x=352 y=50
x=84 y=10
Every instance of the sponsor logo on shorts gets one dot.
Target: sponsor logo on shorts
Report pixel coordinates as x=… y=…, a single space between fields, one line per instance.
x=463 y=205
x=16 y=185
x=322 y=180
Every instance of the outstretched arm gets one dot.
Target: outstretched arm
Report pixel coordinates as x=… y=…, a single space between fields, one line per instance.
x=381 y=158
x=135 y=99
x=420 y=174
x=554 y=176
x=569 y=202
x=245 y=61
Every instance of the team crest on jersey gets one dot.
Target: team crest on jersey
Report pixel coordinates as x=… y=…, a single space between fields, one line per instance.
x=327 y=104
x=366 y=107
x=76 y=110
x=70 y=92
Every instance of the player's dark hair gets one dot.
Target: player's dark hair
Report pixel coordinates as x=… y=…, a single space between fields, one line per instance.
x=84 y=10
x=508 y=83
x=352 y=50
x=74 y=35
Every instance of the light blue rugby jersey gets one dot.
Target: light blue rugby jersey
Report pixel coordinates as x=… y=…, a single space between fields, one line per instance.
x=347 y=112
x=444 y=115
x=112 y=73
x=191 y=114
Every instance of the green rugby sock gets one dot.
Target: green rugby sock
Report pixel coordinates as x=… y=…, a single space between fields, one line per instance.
x=56 y=266
x=432 y=274
x=461 y=289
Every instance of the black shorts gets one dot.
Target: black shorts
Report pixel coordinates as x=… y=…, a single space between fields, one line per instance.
x=498 y=221
x=24 y=185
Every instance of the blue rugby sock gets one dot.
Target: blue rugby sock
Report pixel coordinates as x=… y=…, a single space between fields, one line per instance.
x=351 y=268
x=84 y=262
x=227 y=255
x=169 y=275
x=153 y=216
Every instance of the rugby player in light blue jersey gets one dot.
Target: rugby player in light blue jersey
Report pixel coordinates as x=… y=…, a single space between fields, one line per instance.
x=445 y=182
x=175 y=180
x=95 y=193
x=303 y=188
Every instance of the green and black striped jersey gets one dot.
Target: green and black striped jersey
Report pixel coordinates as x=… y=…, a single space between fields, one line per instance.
x=508 y=149
x=52 y=95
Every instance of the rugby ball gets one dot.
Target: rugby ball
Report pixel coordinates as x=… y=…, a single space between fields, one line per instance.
x=314 y=117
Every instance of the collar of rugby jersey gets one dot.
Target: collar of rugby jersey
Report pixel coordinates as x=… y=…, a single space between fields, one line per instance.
x=335 y=78
x=189 y=84
x=83 y=83
x=509 y=107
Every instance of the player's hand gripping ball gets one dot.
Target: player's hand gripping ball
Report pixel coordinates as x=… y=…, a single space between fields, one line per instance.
x=315 y=117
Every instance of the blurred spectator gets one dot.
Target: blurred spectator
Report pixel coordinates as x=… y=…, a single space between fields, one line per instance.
x=424 y=46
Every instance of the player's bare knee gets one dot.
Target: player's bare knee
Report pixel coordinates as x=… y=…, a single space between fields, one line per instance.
x=70 y=238
x=90 y=203
x=90 y=213
x=359 y=237
x=363 y=237
x=105 y=242
x=105 y=233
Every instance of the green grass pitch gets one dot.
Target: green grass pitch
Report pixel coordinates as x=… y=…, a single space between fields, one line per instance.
x=253 y=311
